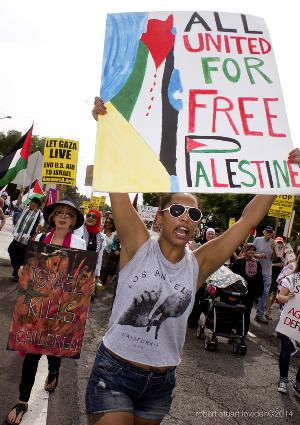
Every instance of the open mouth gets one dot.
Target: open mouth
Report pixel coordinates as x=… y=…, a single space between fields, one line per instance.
x=182 y=232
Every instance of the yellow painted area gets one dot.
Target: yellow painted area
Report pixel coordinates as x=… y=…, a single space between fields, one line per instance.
x=60 y=161
x=282 y=206
x=123 y=160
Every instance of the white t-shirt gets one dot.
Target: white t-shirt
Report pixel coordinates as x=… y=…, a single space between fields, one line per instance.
x=291 y=281
x=153 y=301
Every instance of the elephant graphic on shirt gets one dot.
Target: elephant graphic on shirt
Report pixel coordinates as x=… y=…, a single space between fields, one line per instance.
x=139 y=313
x=173 y=306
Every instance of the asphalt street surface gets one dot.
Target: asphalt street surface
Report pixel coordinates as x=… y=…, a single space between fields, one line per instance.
x=212 y=387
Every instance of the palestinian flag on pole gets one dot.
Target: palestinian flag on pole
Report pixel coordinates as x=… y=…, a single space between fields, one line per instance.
x=16 y=159
x=252 y=235
x=35 y=191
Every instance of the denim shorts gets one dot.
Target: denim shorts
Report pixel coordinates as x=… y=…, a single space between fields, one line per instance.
x=117 y=386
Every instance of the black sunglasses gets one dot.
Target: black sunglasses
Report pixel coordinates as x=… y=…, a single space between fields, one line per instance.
x=177 y=210
x=91 y=216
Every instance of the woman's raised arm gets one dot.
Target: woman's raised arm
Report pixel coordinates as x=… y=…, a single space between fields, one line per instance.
x=214 y=253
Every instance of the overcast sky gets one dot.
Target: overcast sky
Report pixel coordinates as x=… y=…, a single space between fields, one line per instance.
x=51 y=55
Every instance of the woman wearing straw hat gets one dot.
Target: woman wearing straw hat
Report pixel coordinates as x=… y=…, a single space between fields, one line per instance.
x=63 y=217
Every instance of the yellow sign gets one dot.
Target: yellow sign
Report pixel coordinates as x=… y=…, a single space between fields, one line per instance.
x=102 y=201
x=86 y=206
x=95 y=202
x=231 y=222
x=60 y=161
x=282 y=207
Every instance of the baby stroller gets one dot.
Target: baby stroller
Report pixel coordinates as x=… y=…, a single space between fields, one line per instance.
x=225 y=316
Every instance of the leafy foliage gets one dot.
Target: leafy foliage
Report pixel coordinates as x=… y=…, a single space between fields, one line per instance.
x=219 y=208
x=8 y=140
x=73 y=195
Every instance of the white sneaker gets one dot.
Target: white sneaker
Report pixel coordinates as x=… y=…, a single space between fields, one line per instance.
x=282 y=387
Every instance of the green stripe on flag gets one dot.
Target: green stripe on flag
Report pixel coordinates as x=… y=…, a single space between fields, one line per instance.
x=126 y=99
x=12 y=172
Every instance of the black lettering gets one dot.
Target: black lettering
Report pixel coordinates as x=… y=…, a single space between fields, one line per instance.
x=246 y=28
x=231 y=173
x=197 y=19
x=219 y=24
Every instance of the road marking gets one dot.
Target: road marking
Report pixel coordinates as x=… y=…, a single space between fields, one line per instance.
x=38 y=403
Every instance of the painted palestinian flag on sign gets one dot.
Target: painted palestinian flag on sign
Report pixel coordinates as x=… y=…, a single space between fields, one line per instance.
x=16 y=159
x=35 y=191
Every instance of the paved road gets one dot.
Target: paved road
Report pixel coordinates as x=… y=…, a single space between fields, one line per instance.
x=212 y=387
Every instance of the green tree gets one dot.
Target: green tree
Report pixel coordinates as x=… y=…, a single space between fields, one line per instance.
x=71 y=193
x=8 y=140
x=219 y=208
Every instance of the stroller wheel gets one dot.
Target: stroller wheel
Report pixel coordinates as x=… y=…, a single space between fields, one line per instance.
x=199 y=331
x=214 y=344
x=235 y=347
x=243 y=349
x=207 y=343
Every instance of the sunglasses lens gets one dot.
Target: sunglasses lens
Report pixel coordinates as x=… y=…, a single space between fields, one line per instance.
x=176 y=210
x=194 y=214
x=91 y=216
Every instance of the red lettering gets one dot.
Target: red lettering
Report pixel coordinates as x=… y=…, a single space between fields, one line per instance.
x=252 y=45
x=263 y=42
x=293 y=174
x=245 y=116
x=238 y=40
x=269 y=117
x=214 y=175
x=226 y=110
x=193 y=105
x=261 y=181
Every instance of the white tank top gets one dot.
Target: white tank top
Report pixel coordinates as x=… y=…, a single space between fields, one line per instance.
x=153 y=301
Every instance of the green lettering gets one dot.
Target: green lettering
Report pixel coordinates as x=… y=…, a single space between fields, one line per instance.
x=284 y=173
x=201 y=173
x=230 y=77
x=256 y=66
x=240 y=167
x=207 y=69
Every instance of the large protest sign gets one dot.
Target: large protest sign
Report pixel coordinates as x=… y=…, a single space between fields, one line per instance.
x=194 y=104
x=282 y=207
x=289 y=323
x=147 y=212
x=53 y=300
x=60 y=161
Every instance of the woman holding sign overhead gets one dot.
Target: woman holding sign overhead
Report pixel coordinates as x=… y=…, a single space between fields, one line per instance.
x=133 y=378
x=63 y=218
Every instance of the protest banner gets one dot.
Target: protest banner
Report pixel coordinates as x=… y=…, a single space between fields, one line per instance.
x=86 y=206
x=194 y=105
x=282 y=207
x=102 y=201
x=95 y=202
x=60 y=161
x=289 y=323
x=147 y=213
x=53 y=300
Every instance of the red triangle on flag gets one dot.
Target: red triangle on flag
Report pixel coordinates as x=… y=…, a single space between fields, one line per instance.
x=26 y=145
x=37 y=189
x=191 y=144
